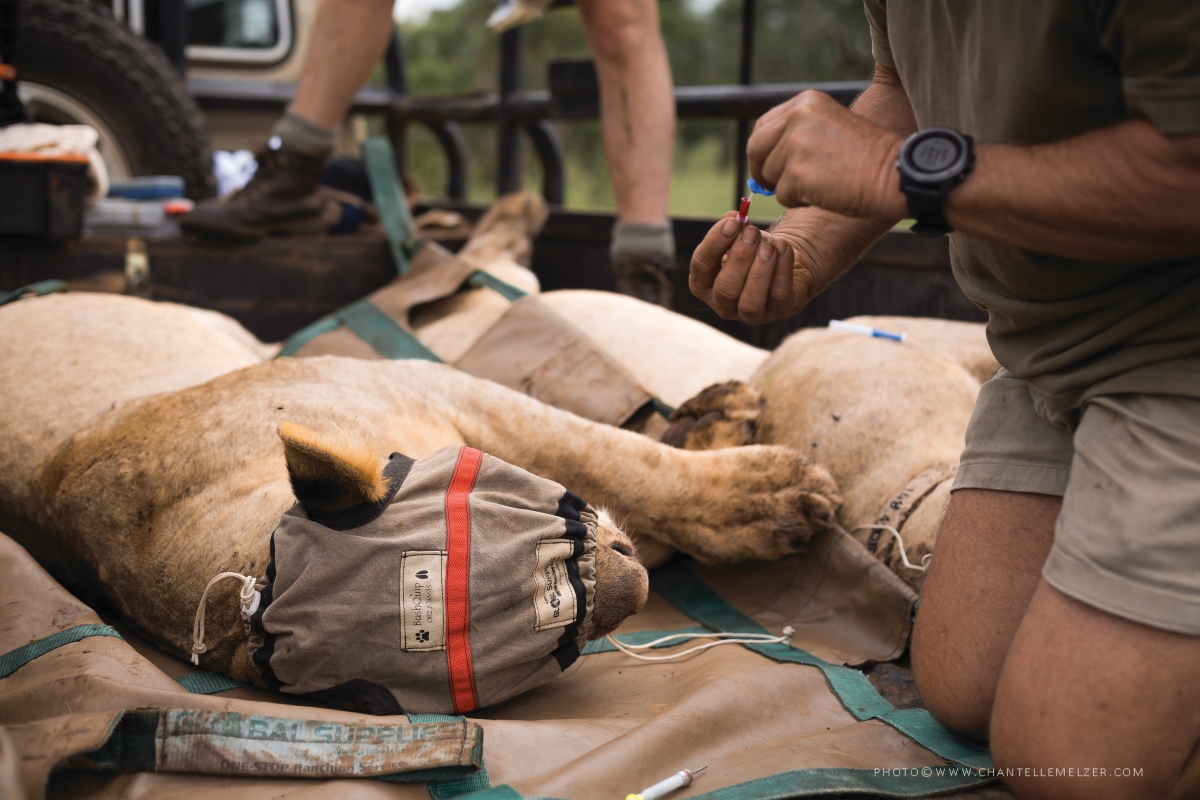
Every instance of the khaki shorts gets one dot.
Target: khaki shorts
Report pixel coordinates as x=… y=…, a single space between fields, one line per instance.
x=1128 y=538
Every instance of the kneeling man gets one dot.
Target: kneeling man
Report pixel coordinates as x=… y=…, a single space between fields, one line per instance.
x=1060 y=142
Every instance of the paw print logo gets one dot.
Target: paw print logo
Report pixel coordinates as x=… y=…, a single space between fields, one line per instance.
x=422 y=635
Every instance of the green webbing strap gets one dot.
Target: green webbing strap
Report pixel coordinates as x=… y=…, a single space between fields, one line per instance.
x=447 y=788
x=40 y=288
x=819 y=781
x=381 y=332
x=13 y=660
x=481 y=280
x=208 y=683
x=307 y=334
x=665 y=411
x=392 y=336
x=389 y=200
x=680 y=586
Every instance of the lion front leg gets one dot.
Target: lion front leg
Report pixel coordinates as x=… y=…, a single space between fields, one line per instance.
x=756 y=502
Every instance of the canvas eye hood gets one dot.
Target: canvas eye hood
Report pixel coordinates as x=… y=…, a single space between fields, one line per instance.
x=470 y=582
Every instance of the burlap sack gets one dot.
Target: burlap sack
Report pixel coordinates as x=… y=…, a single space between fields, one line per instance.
x=530 y=349
x=471 y=583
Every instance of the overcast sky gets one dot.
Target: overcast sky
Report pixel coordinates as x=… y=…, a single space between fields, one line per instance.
x=419 y=9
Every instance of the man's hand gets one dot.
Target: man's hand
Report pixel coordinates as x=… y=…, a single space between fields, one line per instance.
x=817 y=153
x=749 y=275
x=741 y=279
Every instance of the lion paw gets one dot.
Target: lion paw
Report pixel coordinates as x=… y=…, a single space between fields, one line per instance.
x=722 y=415
x=762 y=504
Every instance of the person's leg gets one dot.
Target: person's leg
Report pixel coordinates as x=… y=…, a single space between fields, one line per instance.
x=637 y=123
x=1102 y=671
x=986 y=564
x=348 y=41
x=1083 y=689
x=637 y=103
x=988 y=558
x=349 y=38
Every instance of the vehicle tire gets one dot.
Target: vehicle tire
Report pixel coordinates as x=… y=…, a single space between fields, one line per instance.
x=77 y=64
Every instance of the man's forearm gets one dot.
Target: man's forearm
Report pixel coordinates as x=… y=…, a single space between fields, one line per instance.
x=1125 y=192
x=832 y=241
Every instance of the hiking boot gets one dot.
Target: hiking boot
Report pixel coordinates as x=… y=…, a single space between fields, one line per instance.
x=646 y=276
x=283 y=197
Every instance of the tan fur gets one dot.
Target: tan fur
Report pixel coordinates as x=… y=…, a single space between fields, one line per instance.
x=622 y=585
x=332 y=471
x=874 y=413
x=136 y=500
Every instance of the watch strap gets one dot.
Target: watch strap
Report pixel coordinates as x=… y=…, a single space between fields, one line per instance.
x=926 y=204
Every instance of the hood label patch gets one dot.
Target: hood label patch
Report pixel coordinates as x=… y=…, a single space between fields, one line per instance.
x=422 y=601
x=554 y=603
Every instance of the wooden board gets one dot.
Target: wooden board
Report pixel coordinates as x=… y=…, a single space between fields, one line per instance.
x=276 y=286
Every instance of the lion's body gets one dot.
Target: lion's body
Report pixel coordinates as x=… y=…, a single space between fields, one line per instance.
x=140 y=458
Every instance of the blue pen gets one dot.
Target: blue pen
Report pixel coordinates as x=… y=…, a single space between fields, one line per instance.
x=866 y=330
x=755 y=187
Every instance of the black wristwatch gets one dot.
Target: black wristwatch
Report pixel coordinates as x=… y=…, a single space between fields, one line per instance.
x=932 y=162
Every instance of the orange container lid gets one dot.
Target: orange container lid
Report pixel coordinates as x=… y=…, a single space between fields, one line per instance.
x=65 y=158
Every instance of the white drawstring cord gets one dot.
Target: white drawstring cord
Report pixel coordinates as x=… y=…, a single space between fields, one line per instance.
x=249 y=597
x=733 y=638
x=924 y=565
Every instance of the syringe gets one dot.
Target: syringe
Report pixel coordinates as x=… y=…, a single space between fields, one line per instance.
x=866 y=330
x=677 y=781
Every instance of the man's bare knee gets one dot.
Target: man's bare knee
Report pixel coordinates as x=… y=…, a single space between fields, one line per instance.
x=618 y=30
x=986 y=564
x=952 y=692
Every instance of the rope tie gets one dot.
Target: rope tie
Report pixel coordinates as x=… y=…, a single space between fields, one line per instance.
x=722 y=638
x=250 y=599
x=924 y=565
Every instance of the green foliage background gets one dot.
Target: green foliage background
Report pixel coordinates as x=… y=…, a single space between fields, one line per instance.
x=452 y=52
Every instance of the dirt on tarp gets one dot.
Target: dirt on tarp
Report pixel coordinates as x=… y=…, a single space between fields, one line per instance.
x=103 y=716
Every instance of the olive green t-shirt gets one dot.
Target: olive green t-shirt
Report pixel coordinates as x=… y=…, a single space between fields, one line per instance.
x=1034 y=71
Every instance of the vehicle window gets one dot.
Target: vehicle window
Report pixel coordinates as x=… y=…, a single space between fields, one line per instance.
x=242 y=24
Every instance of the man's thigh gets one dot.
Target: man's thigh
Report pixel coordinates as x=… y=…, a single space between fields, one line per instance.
x=1113 y=700
x=1103 y=670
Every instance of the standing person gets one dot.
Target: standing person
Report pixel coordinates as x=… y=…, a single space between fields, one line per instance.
x=349 y=38
x=1061 y=613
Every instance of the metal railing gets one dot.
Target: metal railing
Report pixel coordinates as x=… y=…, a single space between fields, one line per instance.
x=513 y=110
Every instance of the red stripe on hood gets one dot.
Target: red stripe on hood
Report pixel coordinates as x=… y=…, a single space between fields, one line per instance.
x=458 y=580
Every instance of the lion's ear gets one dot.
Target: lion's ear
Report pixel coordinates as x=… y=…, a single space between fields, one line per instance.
x=331 y=473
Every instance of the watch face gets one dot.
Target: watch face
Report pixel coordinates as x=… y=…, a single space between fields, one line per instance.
x=933 y=155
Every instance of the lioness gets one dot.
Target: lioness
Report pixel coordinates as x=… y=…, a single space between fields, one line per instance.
x=139 y=458
x=886 y=419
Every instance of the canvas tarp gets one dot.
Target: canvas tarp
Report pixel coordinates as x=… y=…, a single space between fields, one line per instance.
x=762 y=718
